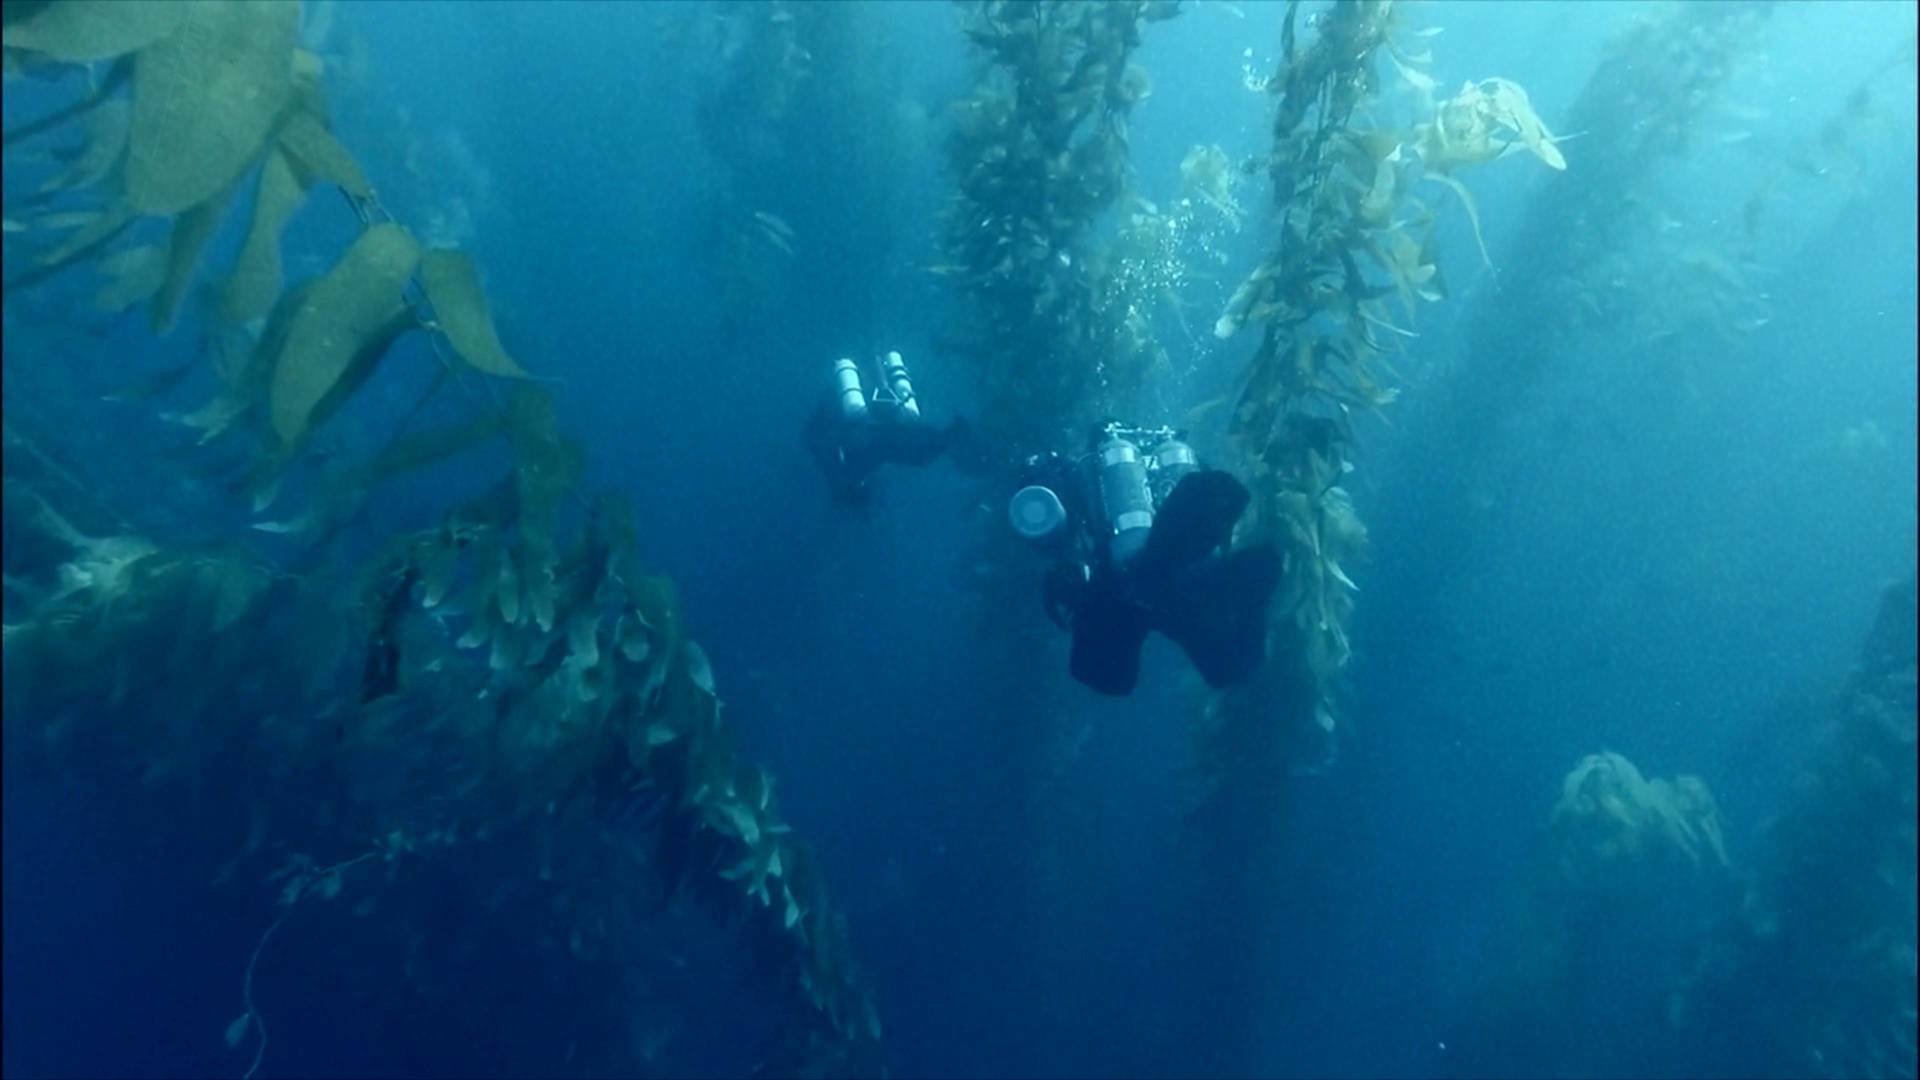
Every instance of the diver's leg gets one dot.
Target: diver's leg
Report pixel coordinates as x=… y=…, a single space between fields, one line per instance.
x=1216 y=611
x=1108 y=632
x=1196 y=518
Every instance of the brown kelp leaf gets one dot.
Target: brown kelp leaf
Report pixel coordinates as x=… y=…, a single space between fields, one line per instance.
x=236 y=587
x=348 y=310
x=86 y=30
x=583 y=637
x=427 y=447
x=657 y=608
x=58 y=221
x=1473 y=211
x=362 y=365
x=204 y=100
x=1484 y=121
x=255 y=282
x=154 y=385
x=320 y=156
x=211 y=419
x=540 y=583
x=506 y=590
x=453 y=288
x=92 y=235
x=105 y=127
x=1515 y=110
x=191 y=231
x=136 y=274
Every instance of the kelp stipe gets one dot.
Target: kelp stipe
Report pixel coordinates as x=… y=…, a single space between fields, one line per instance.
x=1352 y=236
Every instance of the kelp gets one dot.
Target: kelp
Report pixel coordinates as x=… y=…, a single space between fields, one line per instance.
x=192 y=230
x=336 y=329
x=82 y=31
x=553 y=685
x=1633 y=945
x=1816 y=959
x=1640 y=109
x=1037 y=154
x=748 y=123
x=1039 y=151
x=255 y=280
x=105 y=131
x=1485 y=120
x=204 y=99
x=320 y=156
x=1350 y=236
x=1601 y=928
x=453 y=288
x=1608 y=814
x=135 y=274
x=1348 y=220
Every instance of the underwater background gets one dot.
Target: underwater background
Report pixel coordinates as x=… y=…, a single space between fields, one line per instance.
x=1611 y=771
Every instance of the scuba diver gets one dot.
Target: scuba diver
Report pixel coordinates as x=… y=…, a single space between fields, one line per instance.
x=851 y=434
x=1140 y=542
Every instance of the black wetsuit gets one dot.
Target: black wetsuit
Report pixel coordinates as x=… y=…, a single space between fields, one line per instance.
x=1184 y=582
x=849 y=449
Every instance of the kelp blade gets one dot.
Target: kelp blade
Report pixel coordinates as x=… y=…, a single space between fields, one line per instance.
x=342 y=314
x=205 y=99
x=453 y=288
x=82 y=31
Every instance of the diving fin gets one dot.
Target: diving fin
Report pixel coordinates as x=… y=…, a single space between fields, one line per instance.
x=1195 y=519
x=1216 y=611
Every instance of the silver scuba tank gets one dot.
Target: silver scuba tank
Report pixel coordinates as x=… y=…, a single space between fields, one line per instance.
x=1125 y=500
x=893 y=372
x=1173 y=459
x=846 y=381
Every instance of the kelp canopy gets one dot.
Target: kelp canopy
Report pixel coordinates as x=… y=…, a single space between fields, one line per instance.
x=510 y=677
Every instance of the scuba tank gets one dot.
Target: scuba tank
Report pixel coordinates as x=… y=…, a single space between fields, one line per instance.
x=893 y=375
x=1173 y=459
x=1126 y=502
x=846 y=381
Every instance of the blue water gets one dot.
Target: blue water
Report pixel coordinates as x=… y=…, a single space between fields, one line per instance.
x=1647 y=568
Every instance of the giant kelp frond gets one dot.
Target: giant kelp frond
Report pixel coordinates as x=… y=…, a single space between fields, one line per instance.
x=1039 y=151
x=1640 y=109
x=514 y=671
x=1351 y=235
x=1819 y=962
x=205 y=97
x=82 y=31
x=340 y=327
x=1609 y=815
